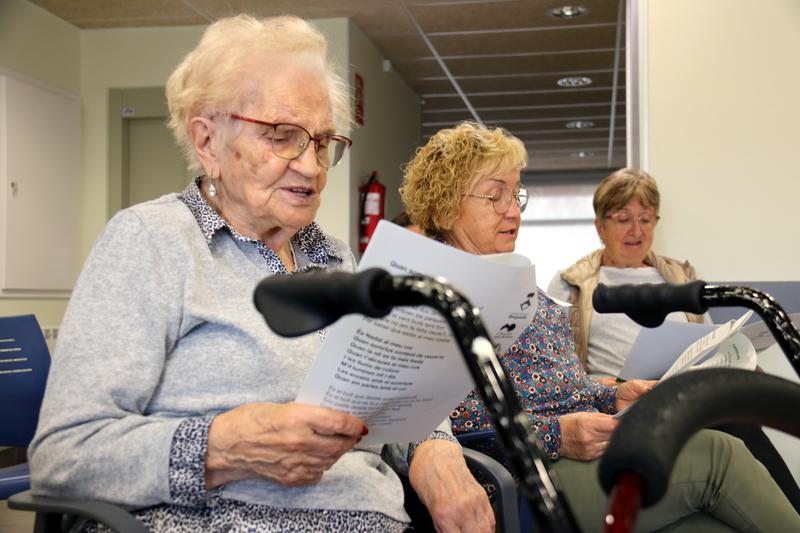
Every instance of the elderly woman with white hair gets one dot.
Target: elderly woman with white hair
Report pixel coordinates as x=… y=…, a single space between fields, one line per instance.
x=168 y=394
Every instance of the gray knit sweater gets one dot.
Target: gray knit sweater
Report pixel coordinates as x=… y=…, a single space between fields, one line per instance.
x=161 y=333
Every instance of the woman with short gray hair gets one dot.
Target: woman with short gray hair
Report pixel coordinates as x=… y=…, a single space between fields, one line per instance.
x=627 y=204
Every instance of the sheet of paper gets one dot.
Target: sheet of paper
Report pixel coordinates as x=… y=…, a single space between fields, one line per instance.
x=699 y=349
x=655 y=349
x=760 y=335
x=404 y=374
x=734 y=352
x=619 y=414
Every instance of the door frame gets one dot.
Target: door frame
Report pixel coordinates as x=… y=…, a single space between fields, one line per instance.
x=123 y=105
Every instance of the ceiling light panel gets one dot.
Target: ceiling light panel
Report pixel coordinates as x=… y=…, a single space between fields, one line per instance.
x=579 y=124
x=567 y=12
x=574 y=81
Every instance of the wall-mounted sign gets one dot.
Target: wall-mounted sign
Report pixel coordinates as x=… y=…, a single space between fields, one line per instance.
x=359 y=99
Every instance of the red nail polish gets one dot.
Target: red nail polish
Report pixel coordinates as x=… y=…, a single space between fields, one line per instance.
x=364 y=431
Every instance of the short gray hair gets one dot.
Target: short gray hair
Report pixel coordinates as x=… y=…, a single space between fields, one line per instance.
x=619 y=188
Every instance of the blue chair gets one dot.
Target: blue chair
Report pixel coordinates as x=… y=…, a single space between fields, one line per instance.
x=24 y=363
x=485 y=470
x=515 y=508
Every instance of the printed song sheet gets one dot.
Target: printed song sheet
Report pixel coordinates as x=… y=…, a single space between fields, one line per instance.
x=675 y=345
x=722 y=346
x=760 y=335
x=655 y=349
x=733 y=348
x=404 y=374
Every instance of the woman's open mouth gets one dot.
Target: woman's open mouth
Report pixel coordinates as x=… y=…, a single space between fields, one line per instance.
x=300 y=192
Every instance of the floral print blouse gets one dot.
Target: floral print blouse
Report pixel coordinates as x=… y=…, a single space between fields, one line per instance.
x=548 y=378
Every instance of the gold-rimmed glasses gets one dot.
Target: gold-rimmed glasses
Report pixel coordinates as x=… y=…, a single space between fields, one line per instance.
x=626 y=219
x=289 y=141
x=501 y=198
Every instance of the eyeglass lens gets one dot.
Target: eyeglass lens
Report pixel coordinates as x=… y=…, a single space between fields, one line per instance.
x=290 y=141
x=502 y=199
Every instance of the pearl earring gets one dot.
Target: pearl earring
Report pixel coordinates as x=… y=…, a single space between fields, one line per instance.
x=212 y=189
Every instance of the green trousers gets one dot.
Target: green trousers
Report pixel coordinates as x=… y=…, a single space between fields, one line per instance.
x=716 y=485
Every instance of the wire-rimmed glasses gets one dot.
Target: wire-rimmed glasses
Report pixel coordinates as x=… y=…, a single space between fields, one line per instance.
x=501 y=198
x=625 y=219
x=647 y=221
x=289 y=141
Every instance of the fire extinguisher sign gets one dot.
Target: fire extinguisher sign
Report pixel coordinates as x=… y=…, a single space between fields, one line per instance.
x=373 y=196
x=372 y=203
x=359 y=99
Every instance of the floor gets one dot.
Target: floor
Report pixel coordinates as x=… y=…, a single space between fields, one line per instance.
x=14 y=521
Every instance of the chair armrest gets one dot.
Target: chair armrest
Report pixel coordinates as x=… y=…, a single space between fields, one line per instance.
x=480 y=436
x=14 y=479
x=507 y=513
x=49 y=510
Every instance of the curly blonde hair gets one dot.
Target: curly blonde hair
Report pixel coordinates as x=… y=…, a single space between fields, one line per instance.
x=623 y=185
x=452 y=162
x=209 y=79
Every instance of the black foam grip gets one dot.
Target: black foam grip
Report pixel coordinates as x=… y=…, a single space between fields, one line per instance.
x=649 y=303
x=305 y=302
x=653 y=432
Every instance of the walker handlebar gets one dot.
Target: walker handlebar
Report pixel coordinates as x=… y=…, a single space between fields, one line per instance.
x=302 y=303
x=650 y=303
x=651 y=434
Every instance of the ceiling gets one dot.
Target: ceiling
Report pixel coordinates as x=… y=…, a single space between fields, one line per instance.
x=497 y=61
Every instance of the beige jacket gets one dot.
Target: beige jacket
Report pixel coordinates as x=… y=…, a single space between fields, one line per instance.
x=583 y=278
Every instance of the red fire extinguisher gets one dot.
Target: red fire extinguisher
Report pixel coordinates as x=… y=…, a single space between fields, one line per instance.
x=373 y=196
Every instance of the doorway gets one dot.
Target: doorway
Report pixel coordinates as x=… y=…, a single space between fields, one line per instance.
x=144 y=159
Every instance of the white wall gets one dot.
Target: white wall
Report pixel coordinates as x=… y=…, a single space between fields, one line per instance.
x=144 y=57
x=722 y=114
x=721 y=128
x=118 y=58
x=333 y=211
x=392 y=125
x=42 y=47
x=35 y=43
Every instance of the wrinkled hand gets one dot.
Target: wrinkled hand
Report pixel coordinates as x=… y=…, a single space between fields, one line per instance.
x=585 y=436
x=630 y=391
x=445 y=485
x=291 y=443
x=608 y=381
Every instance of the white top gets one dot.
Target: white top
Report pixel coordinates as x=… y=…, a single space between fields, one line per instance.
x=611 y=335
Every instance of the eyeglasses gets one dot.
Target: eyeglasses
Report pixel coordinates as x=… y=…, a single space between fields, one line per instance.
x=501 y=199
x=625 y=219
x=289 y=141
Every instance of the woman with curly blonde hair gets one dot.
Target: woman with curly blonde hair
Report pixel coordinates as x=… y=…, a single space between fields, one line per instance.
x=450 y=166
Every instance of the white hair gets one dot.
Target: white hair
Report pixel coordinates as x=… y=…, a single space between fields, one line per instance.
x=207 y=81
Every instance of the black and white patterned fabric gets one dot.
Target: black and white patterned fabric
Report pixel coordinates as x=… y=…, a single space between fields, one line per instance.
x=310 y=240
